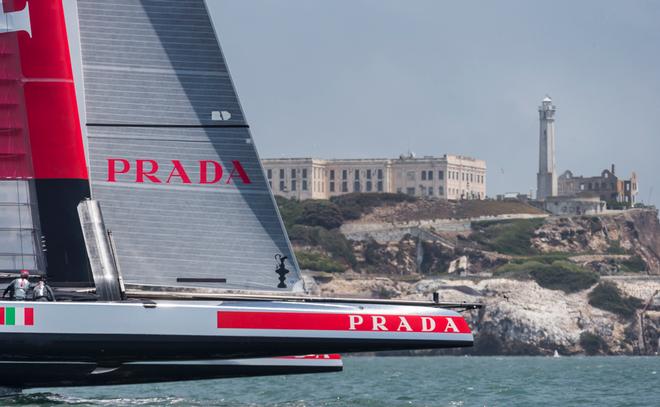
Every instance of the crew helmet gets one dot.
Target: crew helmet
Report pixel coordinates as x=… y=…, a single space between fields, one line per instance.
x=25 y=274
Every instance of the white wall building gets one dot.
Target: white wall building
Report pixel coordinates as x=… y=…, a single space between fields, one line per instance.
x=447 y=177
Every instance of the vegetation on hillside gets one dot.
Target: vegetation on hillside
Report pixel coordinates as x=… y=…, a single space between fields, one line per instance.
x=332 y=213
x=635 y=264
x=333 y=242
x=312 y=260
x=556 y=275
x=511 y=237
x=353 y=206
x=608 y=297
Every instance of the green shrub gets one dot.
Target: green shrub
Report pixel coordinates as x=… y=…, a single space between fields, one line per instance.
x=635 y=264
x=320 y=213
x=592 y=343
x=509 y=237
x=615 y=248
x=559 y=275
x=564 y=276
x=608 y=297
x=331 y=241
x=318 y=262
x=354 y=205
x=548 y=258
x=290 y=209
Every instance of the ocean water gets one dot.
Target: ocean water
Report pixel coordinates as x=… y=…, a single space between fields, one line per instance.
x=400 y=381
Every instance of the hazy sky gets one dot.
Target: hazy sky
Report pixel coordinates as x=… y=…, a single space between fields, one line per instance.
x=357 y=78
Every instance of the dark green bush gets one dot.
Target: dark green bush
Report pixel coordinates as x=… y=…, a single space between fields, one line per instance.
x=608 y=297
x=548 y=258
x=290 y=209
x=592 y=343
x=564 y=276
x=332 y=241
x=615 y=248
x=634 y=264
x=559 y=275
x=509 y=236
x=320 y=213
x=318 y=262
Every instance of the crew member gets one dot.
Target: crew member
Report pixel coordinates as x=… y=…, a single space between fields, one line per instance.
x=42 y=292
x=18 y=288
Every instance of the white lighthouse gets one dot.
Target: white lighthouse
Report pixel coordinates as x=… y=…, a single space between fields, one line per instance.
x=547 y=175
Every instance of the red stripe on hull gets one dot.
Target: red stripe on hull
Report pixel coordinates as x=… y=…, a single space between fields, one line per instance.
x=341 y=322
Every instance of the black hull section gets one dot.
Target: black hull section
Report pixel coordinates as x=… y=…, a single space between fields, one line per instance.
x=66 y=255
x=42 y=374
x=112 y=350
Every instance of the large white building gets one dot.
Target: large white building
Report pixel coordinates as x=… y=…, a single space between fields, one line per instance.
x=447 y=177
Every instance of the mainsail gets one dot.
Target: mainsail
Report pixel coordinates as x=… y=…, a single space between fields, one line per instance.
x=171 y=157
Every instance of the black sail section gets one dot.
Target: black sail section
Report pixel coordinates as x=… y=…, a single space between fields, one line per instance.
x=172 y=160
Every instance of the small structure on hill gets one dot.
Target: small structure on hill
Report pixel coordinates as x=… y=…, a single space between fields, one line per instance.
x=607 y=186
x=575 y=205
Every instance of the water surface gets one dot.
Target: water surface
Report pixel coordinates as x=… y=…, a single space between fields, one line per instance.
x=400 y=381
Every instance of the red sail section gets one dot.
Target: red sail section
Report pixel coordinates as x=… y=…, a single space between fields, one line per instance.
x=49 y=92
x=14 y=142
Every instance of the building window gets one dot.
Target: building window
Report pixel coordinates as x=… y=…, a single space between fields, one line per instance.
x=282 y=174
x=282 y=185
x=368 y=186
x=304 y=185
x=410 y=191
x=423 y=175
x=380 y=174
x=441 y=175
x=430 y=191
x=368 y=174
x=304 y=172
x=344 y=186
x=344 y=174
x=471 y=177
x=332 y=174
x=357 y=175
x=462 y=176
x=270 y=174
x=356 y=186
x=380 y=186
x=441 y=191
x=293 y=173
x=332 y=186
x=293 y=185
x=430 y=176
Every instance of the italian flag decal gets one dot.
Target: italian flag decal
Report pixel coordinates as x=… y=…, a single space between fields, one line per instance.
x=17 y=316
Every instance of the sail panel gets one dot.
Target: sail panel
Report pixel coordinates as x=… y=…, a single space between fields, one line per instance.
x=164 y=52
x=172 y=160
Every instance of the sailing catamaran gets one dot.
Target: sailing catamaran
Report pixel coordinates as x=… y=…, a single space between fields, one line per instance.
x=176 y=279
